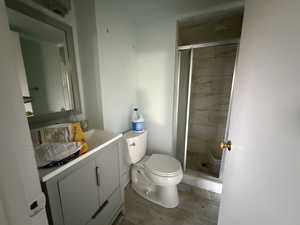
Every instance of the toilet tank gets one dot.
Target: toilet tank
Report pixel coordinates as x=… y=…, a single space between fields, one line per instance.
x=136 y=145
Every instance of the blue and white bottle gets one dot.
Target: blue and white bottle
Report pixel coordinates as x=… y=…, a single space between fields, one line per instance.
x=137 y=121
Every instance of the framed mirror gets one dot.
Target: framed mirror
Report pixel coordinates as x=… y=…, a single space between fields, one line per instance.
x=50 y=83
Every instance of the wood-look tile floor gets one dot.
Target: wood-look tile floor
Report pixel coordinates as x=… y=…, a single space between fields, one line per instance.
x=197 y=207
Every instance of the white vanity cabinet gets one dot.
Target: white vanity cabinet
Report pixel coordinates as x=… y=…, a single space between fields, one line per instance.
x=107 y=169
x=78 y=195
x=88 y=192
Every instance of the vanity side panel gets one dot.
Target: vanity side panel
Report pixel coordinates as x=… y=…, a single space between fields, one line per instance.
x=124 y=165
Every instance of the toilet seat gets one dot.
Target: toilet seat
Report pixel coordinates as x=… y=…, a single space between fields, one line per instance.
x=163 y=165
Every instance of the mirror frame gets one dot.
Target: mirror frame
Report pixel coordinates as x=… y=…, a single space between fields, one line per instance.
x=67 y=29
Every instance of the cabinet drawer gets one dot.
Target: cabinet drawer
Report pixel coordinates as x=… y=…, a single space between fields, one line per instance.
x=108 y=209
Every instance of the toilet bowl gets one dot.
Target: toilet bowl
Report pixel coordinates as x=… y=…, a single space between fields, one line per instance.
x=154 y=177
x=163 y=170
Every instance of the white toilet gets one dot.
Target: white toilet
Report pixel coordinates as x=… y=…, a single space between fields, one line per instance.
x=154 y=177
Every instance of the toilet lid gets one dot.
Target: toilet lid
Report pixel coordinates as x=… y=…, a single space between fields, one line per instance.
x=163 y=165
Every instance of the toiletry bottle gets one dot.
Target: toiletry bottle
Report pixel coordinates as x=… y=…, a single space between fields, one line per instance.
x=137 y=121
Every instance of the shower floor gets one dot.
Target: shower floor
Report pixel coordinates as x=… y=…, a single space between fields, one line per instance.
x=199 y=162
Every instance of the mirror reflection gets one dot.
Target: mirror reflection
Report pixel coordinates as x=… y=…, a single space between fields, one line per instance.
x=46 y=85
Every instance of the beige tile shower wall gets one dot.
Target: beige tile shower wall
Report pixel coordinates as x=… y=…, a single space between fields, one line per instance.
x=210 y=94
x=209 y=28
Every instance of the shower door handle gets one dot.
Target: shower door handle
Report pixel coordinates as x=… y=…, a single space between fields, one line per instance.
x=226 y=145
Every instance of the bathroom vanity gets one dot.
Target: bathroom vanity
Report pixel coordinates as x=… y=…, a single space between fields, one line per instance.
x=86 y=190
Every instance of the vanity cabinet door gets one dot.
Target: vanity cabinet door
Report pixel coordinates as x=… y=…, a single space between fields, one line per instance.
x=79 y=195
x=107 y=164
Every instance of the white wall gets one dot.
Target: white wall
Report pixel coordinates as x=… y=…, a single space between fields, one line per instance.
x=261 y=177
x=156 y=43
x=116 y=37
x=53 y=72
x=31 y=52
x=45 y=71
x=89 y=59
x=137 y=60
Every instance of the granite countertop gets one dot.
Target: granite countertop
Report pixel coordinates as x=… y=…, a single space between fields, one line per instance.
x=96 y=139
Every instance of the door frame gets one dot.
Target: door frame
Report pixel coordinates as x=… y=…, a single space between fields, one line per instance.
x=186 y=104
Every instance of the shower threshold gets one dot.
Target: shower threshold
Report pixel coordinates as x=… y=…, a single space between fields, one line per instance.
x=202 y=180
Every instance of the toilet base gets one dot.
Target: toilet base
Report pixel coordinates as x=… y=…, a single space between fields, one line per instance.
x=166 y=196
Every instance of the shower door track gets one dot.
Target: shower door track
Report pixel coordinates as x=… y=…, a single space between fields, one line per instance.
x=209 y=44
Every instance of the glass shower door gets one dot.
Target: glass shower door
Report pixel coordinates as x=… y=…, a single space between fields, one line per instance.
x=210 y=92
x=183 y=97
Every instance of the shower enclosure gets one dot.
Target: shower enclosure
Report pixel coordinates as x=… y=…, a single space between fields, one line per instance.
x=204 y=84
